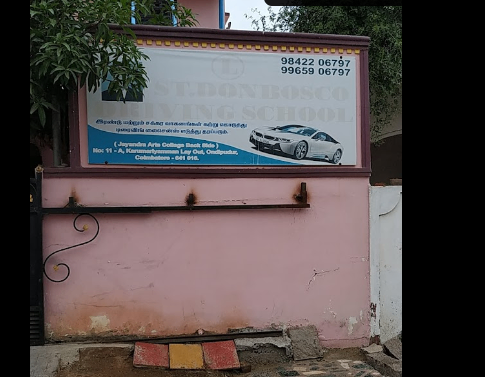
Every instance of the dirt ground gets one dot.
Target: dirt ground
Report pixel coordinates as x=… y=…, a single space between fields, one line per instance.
x=118 y=362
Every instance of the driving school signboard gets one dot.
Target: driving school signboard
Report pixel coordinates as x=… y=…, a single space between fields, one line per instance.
x=215 y=107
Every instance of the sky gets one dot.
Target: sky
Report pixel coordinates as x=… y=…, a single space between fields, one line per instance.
x=237 y=9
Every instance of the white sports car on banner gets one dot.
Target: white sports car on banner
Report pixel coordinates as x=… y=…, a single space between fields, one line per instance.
x=297 y=141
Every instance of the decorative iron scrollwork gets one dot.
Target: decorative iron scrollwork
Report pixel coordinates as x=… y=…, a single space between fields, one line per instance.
x=33 y=194
x=84 y=228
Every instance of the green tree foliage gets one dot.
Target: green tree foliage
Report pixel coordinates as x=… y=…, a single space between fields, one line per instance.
x=383 y=24
x=71 y=43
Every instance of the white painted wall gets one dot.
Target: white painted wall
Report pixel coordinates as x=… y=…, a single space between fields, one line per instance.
x=386 y=261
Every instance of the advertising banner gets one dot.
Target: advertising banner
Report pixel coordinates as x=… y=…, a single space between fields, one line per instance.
x=207 y=107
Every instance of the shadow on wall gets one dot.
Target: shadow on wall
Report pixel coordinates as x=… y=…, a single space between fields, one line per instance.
x=386 y=161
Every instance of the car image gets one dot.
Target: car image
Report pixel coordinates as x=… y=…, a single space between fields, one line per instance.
x=297 y=141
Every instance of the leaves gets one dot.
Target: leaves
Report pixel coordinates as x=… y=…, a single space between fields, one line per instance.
x=71 y=43
x=383 y=24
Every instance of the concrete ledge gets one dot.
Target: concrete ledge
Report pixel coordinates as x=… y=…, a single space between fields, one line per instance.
x=385 y=364
x=393 y=347
x=46 y=360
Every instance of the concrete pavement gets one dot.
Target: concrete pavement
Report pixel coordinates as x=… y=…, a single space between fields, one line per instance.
x=46 y=360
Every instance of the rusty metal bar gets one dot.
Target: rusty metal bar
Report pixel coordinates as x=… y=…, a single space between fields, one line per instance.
x=213 y=337
x=73 y=208
x=188 y=338
x=143 y=209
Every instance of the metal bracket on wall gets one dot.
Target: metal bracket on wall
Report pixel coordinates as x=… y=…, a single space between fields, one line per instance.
x=76 y=208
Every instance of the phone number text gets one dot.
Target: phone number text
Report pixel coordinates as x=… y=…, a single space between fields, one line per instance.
x=311 y=66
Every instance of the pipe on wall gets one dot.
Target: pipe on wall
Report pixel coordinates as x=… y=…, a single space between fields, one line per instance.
x=221 y=14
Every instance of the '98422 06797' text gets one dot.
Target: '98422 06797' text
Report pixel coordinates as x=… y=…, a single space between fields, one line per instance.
x=315 y=66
